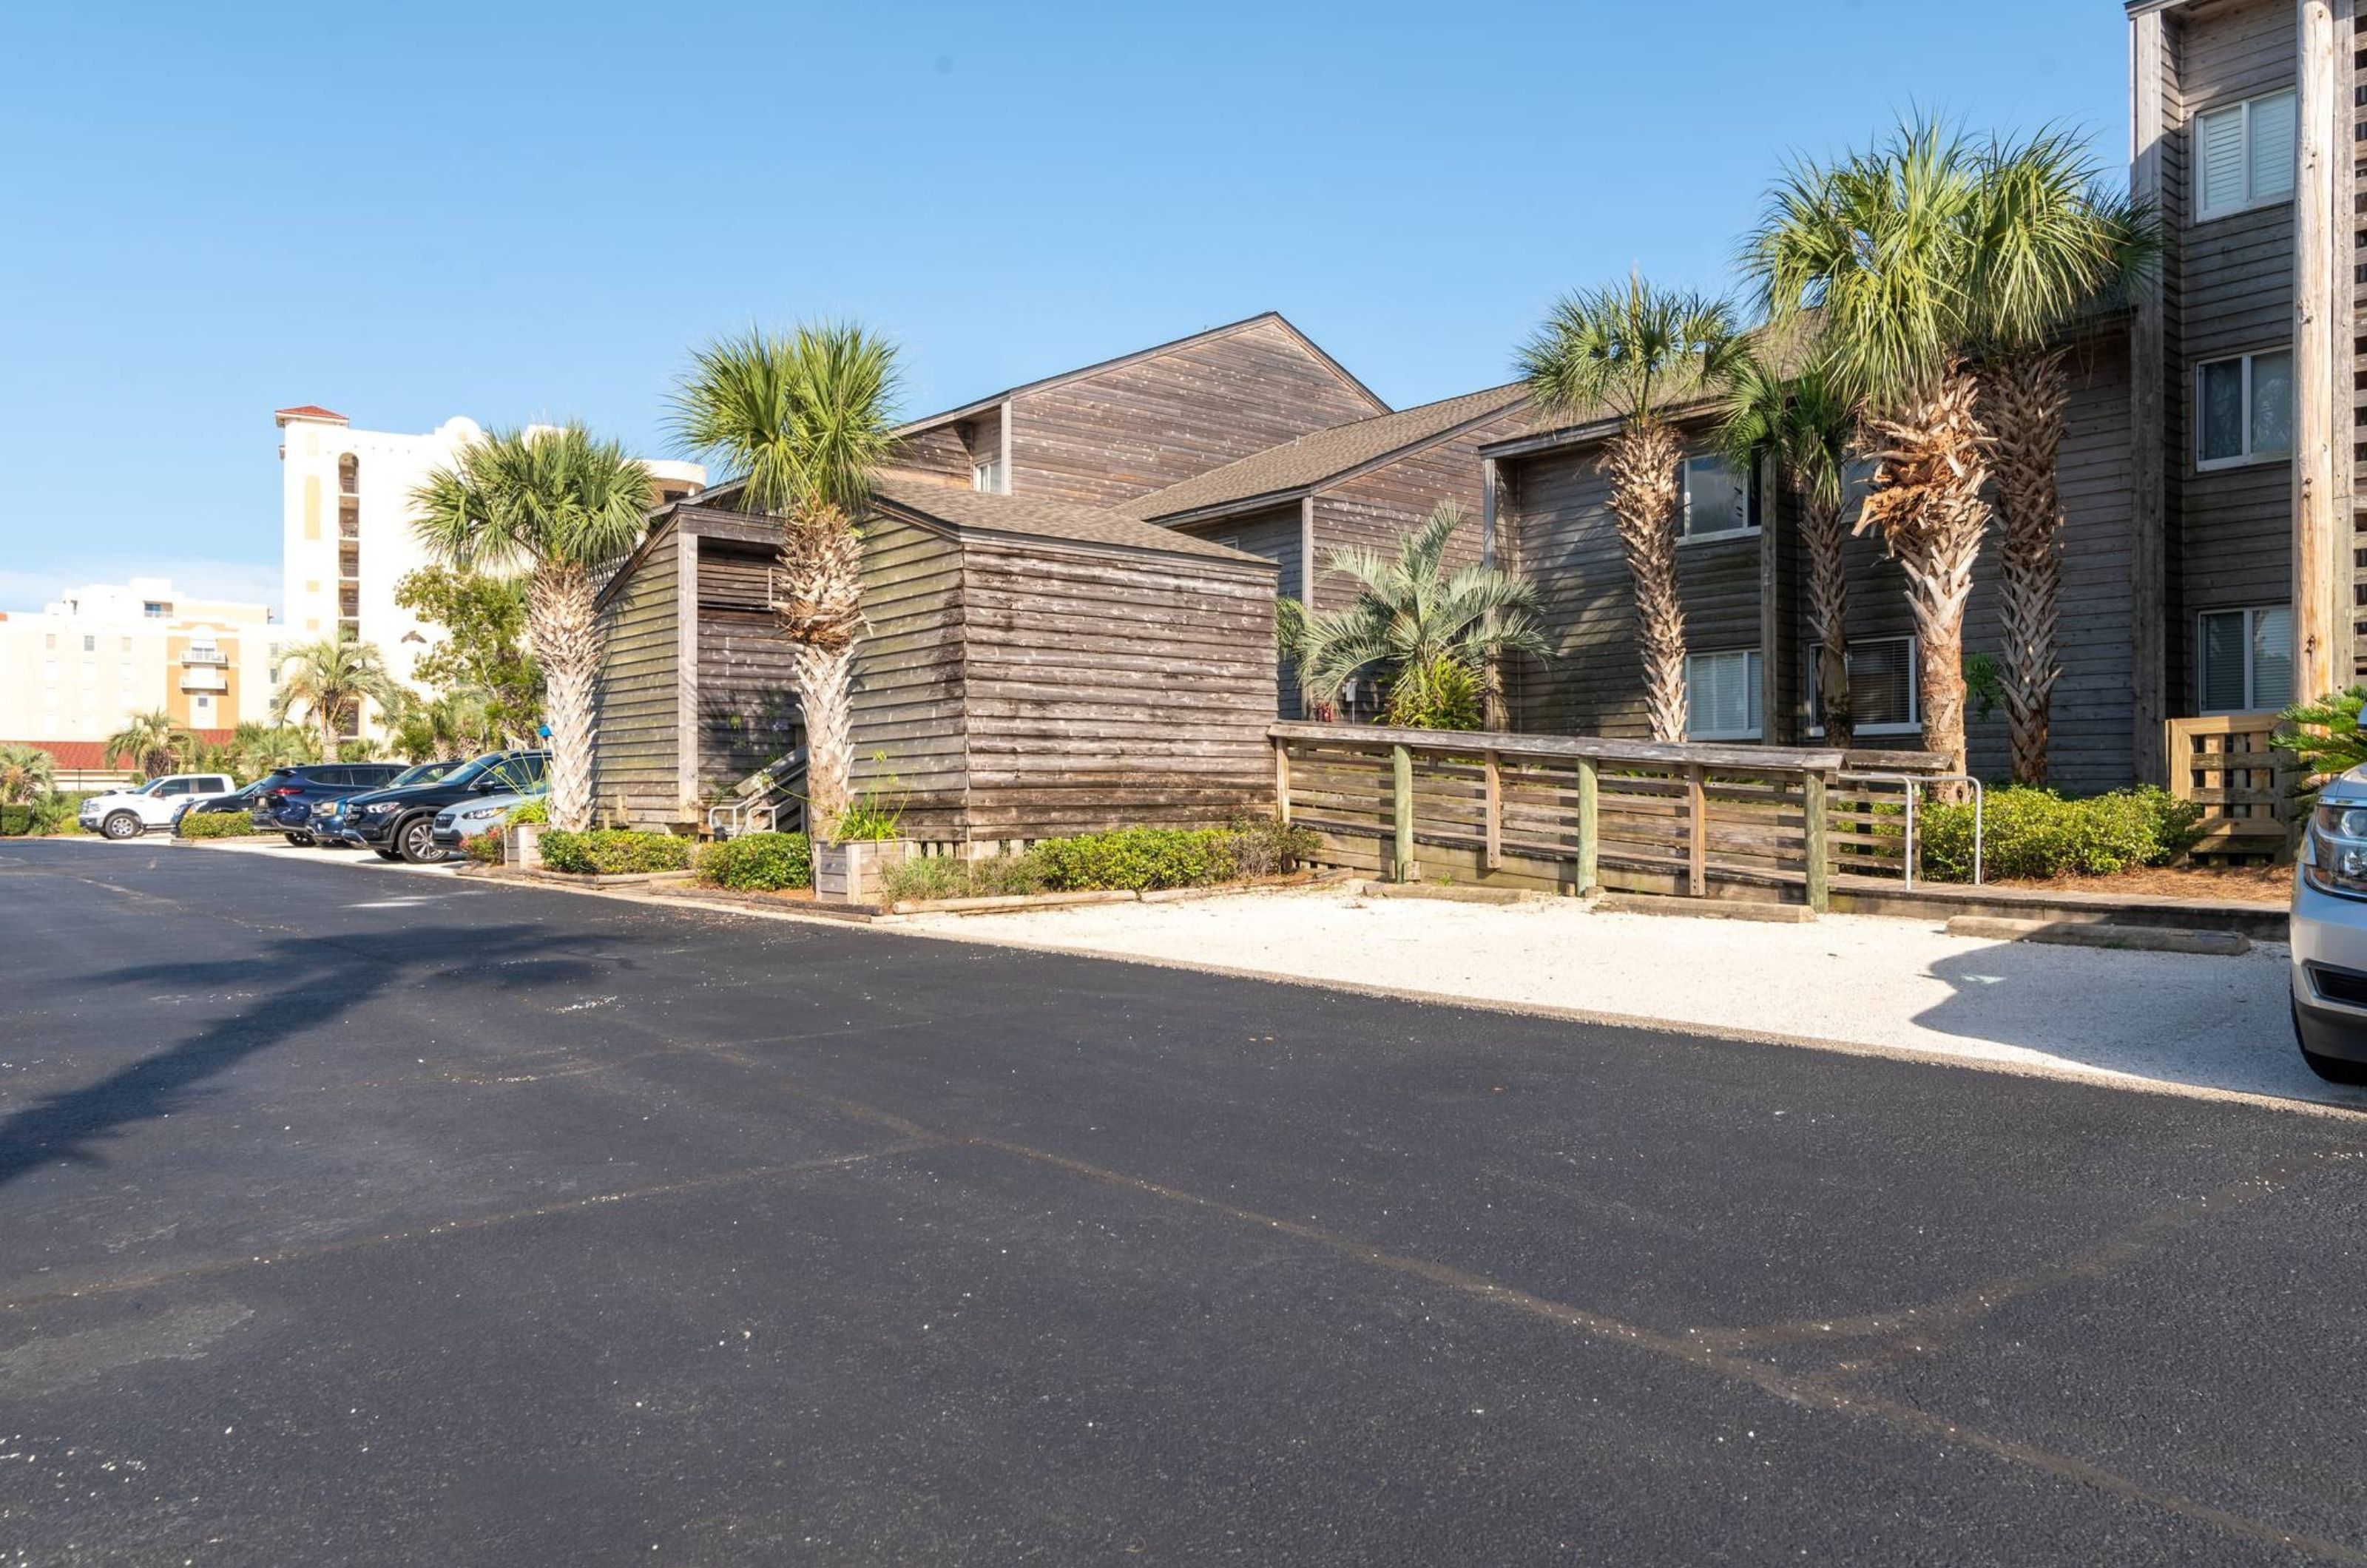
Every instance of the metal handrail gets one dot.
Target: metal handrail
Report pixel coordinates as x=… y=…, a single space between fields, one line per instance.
x=1911 y=782
x=760 y=798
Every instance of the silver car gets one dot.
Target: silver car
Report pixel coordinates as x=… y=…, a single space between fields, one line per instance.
x=2329 y=933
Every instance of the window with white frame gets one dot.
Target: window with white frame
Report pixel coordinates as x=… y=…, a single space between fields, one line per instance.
x=2244 y=408
x=2244 y=154
x=1722 y=696
x=1718 y=498
x=1882 y=688
x=2244 y=659
x=987 y=476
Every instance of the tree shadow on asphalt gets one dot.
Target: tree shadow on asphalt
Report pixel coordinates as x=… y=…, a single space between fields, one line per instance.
x=334 y=977
x=2181 y=1019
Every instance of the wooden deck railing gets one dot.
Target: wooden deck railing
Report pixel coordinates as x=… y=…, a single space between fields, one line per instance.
x=2229 y=764
x=1567 y=813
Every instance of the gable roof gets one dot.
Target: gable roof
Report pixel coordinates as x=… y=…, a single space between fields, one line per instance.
x=1323 y=456
x=968 y=511
x=981 y=405
x=305 y=411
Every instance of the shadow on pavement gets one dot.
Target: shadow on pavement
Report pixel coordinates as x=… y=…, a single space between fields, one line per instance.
x=332 y=977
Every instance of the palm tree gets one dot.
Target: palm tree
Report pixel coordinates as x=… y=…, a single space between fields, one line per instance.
x=1809 y=425
x=261 y=748
x=1426 y=633
x=562 y=504
x=803 y=421
x=2052 y=240
x=1629 y=351
x=152 y=741
x=1882 y=245
x=330 y=680
x=26 y=773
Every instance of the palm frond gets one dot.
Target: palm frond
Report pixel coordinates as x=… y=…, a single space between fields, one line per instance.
x=1624 y=349
x=802 y=419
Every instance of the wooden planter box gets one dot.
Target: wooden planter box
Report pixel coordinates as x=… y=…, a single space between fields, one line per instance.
x=522 y=846
x=850 y=873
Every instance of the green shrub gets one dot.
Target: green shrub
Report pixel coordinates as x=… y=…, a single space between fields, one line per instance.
x=537 y=811
x=929 y=878
x=2037 y=833
x=485 y=849
x=218 y=825
x=1444 y=694
x=16 y=821
x=758 y=863
x=50 y=814
x=613 y=851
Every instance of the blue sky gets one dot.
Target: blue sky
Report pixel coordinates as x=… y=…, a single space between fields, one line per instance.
x=408 y=213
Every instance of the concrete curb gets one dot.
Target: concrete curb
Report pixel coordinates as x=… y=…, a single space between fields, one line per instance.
x=2097 y=933
x=1448 y=891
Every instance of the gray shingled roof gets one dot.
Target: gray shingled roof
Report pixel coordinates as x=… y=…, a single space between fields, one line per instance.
x=1025 y=516
x=1311 y=460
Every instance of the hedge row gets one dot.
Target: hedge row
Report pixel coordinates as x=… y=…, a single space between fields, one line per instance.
x=758 y=863
x=218 y=825
x=1139 y=860
x=2037 y=833
x=613 y=851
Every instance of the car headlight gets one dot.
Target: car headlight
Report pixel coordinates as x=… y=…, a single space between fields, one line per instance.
x=479 y=813
x=2334 y=850
x=379 y=807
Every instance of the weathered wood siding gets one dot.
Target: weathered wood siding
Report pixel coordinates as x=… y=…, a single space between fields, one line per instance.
x=907 y=676
x=1378 y=508
x=1557 y=503
x=2232 y=292
x=1106 y=689
x=636 y=702
x=941 y=451
x=1276 y=534
x=1155 y=422
x=747 y=695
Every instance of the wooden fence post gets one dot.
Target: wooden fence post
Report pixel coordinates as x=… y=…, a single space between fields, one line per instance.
x=1282 y=781
x=1812 y=794
x=1495 y=811
x=1696 y=834
x=1402 y=799
x=1589 y=837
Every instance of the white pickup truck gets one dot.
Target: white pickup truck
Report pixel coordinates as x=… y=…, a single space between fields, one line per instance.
x=128 y=813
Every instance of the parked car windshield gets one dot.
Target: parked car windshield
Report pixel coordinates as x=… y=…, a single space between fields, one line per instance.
x=470 y=771
x=425 y=773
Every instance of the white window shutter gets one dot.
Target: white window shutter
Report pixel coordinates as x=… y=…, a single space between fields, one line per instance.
x=2275 y=125
x=2219 y=160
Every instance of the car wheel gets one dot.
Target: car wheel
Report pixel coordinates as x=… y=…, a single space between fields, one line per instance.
x=301 y=841
x=388 y=854
x=416 y=840
x=121 y=825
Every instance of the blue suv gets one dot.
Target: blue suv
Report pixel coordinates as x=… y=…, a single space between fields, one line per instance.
x=284 y=801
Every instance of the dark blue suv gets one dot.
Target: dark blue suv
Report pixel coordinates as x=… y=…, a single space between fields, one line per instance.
x=284 y=801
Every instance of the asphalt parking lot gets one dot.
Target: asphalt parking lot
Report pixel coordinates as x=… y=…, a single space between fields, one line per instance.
x=360 y=1219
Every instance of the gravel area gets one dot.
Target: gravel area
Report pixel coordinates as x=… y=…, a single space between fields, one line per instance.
x=2207 y=1024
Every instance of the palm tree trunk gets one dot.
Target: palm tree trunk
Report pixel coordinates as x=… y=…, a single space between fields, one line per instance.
x=561 y=620
x=1820 y=525
x=821 y=612
x=1926 y=501
x=826 y=687
x=2025 y=395
x=1642 y=463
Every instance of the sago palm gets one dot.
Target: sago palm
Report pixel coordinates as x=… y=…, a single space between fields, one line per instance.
x=1883 y=247
x=2050 y=240
x=804 y=420
x=153 y=742
x=26 y=773
x=1808 y=423
x=1631 y=350
x=328 y=681
x=561 y=504
x=1424 y=632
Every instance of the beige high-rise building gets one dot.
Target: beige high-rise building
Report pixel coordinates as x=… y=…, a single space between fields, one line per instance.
x=346 y=534
x=98 y=654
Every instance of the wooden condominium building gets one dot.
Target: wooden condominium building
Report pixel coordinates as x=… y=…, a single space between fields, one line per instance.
x=2213 y=562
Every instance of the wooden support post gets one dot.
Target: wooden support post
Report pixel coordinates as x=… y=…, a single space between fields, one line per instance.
x=1817 y=822
x=2149 y=373
x=1590 y=825
x=1495 y=811
x=1401 y=800
x=1696 y=834
x=1282 y=781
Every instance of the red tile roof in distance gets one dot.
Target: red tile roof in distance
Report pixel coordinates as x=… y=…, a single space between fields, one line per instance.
x=89 y=756
x=306 y=411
